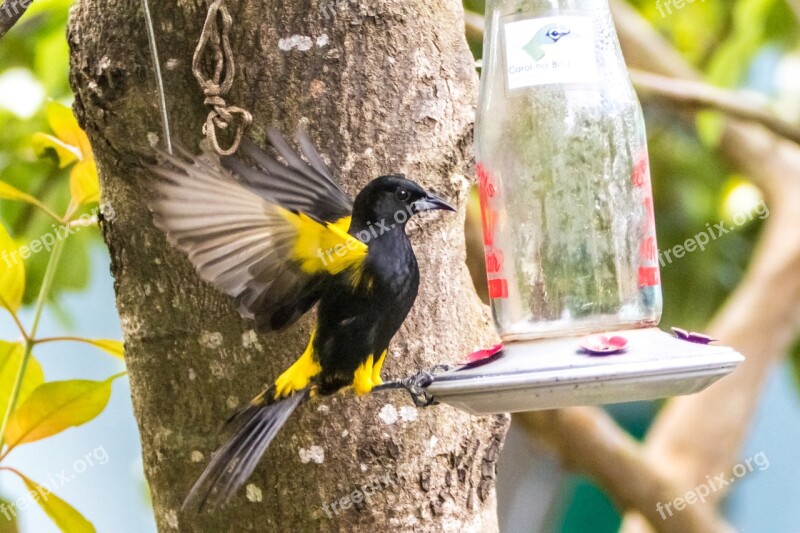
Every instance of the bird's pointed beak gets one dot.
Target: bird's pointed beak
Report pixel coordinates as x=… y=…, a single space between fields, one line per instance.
x=431 y=202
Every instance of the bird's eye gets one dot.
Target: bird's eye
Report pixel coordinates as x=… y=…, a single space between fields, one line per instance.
x=402 y=195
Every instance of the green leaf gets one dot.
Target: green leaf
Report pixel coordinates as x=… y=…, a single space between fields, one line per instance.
x=12 y=273
x=112 y=347
x=75 y=273
x=732 y=57
x=51 y=49
x=70 y=145
x=60 y=512
x=44 y=145
x=84 y=184
x=56 y=406
x=8 y=525
x=10 y=358
x=66 y=128
x=9 y=192
x=710 y=127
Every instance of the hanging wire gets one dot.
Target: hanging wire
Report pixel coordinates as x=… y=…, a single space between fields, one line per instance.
x=151 y=37
x=216 y=86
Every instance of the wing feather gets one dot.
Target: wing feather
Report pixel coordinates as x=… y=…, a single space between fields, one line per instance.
x=258 y=248
x=313 y=157
x=297 y=185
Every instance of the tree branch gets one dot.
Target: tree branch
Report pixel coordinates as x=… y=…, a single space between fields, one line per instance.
x=795 y=6
x=10 y=12
x=475 y=22
x=587 y=440
x=696 y=94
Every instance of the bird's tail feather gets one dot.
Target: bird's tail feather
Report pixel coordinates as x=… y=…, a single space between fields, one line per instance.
x=253 y=429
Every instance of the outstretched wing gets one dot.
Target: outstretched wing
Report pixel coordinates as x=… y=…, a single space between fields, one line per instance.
x=271 y=242
x=297 y=185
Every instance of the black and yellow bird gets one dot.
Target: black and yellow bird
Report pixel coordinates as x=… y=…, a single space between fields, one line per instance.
x=280 y=236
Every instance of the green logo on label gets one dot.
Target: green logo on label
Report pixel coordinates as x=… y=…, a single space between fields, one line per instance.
x=547 y=35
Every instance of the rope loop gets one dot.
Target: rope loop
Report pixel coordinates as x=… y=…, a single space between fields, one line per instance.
x=221 y=116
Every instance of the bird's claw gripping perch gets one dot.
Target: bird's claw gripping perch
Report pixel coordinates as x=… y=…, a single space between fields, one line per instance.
x=416 y=385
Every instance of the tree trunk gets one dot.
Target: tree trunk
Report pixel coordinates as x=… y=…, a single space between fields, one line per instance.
x=383 y=86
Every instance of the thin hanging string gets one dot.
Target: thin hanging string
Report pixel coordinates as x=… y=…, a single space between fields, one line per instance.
x=215 y=33
x=151 y=37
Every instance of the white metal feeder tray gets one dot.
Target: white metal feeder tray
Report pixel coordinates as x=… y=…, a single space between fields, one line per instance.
x=553 y=373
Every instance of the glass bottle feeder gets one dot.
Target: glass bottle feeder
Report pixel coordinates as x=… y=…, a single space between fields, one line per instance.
x=568 y=225
x=563 y=172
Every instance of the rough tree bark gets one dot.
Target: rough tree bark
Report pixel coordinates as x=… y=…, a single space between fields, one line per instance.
x=384 y=86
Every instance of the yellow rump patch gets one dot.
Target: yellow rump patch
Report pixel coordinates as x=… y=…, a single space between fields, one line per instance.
x=362 y=379
x=325 y=248
x=376 y=370
x=368 y=375
x=298 y=376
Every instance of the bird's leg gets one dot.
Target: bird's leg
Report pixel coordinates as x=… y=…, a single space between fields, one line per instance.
x=416 y=385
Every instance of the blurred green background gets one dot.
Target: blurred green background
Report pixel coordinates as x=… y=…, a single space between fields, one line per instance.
x=751 y=44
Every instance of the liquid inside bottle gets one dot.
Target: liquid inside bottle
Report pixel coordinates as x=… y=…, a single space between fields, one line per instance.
x=564 y=175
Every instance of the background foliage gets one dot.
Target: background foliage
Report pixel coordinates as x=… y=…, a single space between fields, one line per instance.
x=48 y=180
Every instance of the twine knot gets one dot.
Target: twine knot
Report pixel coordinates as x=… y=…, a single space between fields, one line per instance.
x=215 y=87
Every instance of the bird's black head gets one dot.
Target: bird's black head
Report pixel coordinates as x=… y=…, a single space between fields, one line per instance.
x=392 y=200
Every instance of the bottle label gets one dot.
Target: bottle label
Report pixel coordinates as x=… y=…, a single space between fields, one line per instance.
x=550 y=50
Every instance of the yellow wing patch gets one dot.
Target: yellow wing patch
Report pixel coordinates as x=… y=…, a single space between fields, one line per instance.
x=325 y=247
